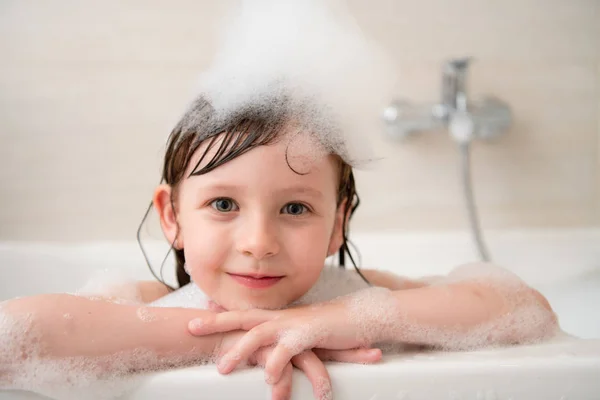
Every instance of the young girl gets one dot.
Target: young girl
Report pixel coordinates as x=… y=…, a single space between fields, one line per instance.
x=253 y=203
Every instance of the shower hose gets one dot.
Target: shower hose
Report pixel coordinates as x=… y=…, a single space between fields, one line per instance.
x=467 y=186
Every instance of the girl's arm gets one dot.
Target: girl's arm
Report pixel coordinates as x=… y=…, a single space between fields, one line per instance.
x=462 y=304
x=477 y=305
x=103 y=339
x=62 y=325
x=470 y=314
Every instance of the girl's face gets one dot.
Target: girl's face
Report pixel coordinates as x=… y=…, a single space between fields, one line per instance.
x=255 y=233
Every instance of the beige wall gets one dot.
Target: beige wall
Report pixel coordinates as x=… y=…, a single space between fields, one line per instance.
x=90 y=89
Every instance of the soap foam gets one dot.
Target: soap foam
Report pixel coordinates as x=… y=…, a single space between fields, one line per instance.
x=333 y=282
x=18 y=340
x=303 y=150
x=97 y=378
x=144 y=314
x=308 y=59
x=111 y=284
x=24 y=365
x=301 y=337
x=323 y=389
x=375 y=313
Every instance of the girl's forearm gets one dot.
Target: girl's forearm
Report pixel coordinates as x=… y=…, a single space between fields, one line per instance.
x=470 y=314
x=61 y=326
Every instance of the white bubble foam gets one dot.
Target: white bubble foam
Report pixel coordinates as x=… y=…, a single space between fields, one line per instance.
x=313 y=54
x=302 y=337
x=303 y=150
x=71 y=379
x=229 y=357
x=144 y=314
x=323 y=389
x=25 y=364
x=482 y=271
x=111 y=284
x=375 y=313
x=100 y=378
x=333 y=282
x=188 y=296
x=18 y=341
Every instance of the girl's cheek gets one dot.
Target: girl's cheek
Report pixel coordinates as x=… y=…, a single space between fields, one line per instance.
x=311 y=248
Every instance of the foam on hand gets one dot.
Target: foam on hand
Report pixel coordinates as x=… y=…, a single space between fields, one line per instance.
x=311 y=53
x=374 y=313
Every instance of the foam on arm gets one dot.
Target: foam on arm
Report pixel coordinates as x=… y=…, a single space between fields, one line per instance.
x=477 y=305
x=57 y=344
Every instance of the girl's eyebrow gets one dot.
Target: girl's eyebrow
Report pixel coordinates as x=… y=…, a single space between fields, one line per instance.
x=292 y=190
x=222 y=187
x=309 y=191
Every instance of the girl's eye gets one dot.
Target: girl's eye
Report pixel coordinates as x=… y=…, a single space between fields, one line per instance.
x=224 y=205
x=295 y=209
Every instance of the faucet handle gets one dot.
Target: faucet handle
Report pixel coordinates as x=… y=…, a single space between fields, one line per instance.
x=485 y=119
x=402 y=118
x=454 y=85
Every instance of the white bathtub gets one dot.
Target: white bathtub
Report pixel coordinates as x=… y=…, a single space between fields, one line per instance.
x=564 y=265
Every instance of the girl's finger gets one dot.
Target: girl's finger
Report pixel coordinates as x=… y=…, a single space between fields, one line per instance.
x=357 y=356
x=278 y=359
x=316 y=373
x=214 y=307
x=282 y=390
x=229 y=321
x=260 y=336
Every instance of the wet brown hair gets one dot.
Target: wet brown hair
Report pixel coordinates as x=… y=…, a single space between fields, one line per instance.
x=233 y=136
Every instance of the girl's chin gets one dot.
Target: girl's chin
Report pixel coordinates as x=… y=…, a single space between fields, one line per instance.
x=250 y=304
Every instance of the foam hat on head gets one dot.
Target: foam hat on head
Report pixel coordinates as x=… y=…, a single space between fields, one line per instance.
x=310 y=57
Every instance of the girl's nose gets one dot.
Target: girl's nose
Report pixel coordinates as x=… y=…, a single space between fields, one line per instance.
x=258 y=239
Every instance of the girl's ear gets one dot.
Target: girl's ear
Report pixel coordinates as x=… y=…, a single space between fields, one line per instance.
x=168 y=217
x=337 y=236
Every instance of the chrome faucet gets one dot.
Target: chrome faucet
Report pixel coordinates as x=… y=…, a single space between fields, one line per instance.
x=489 y=116
x=464 y=120
x=454 y=85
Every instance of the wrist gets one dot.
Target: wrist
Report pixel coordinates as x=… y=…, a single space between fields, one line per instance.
x=390 y=318
x=375 y=313
x=225 y=342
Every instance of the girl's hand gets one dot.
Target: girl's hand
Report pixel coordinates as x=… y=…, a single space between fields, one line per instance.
x=331 y=326
x=309 y=362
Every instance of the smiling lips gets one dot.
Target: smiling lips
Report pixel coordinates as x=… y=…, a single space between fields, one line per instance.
x=256 y=281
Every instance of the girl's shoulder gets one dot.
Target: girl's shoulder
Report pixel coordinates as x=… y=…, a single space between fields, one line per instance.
x=149 y=291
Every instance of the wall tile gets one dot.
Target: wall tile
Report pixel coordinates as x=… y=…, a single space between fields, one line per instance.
x=90 y=90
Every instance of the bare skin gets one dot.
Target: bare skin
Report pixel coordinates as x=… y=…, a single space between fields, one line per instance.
x=454 y=309
x=90 y=329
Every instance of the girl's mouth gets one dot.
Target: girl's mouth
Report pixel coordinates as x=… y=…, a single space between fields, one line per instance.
x=256 y=281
